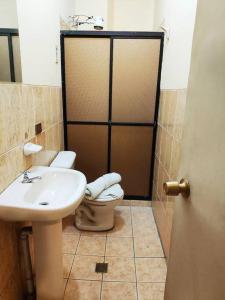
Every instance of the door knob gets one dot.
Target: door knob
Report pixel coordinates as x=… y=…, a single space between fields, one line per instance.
x=174 y=188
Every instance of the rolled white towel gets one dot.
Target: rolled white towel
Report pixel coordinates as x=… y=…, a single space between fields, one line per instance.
x=99 y=185
x=114 y=191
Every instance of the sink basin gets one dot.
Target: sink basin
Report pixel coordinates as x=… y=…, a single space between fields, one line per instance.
x=45 y=202
x=55 y=196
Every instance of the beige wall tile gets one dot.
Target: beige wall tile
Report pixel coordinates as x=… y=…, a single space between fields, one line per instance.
x=168 y=154
x=13 y=289
x=11 y=108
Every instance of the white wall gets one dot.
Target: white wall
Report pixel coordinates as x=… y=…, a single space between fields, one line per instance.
x=8 y=14
x=66 y=8
x=39 y=31
x=179 y=15
x=131 y=15
x=92 y=8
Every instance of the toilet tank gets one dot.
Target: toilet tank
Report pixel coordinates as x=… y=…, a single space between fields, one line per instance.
x=64 y=159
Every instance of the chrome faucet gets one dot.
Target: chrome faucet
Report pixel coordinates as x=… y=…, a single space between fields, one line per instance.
x=27 y=179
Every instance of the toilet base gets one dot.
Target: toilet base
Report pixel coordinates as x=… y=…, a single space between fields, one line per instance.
x=82 y=223
x=91 y=227
x=96 y=216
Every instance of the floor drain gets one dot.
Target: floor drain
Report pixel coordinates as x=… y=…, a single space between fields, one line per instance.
x=43 y=203
x=101 y=268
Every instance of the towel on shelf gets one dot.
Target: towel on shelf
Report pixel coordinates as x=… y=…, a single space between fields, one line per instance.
x=99 y=185
x=114 y=191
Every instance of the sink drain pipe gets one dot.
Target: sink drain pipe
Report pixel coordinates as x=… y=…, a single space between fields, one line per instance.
x=24 y=238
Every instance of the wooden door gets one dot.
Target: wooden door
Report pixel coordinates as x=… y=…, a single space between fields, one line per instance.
x=196 y=267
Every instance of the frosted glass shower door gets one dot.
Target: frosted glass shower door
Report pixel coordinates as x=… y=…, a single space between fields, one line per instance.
x=135 y=74
x=111 y=91
x=87 y=78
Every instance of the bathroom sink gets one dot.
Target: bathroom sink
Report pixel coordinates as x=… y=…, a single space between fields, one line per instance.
x=57 y=194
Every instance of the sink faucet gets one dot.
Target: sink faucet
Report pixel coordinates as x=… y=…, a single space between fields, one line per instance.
x=27 y=179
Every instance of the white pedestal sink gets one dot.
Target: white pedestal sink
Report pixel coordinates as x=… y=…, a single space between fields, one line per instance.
x=45 y=202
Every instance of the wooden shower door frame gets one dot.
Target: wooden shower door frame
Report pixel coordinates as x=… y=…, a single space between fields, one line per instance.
x=114 y=35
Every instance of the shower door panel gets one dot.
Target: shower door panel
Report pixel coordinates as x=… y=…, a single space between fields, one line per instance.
x=131 y=157
x=4 y=59
x=87 y=78
x=111 y=86
x=135 y=74
x=17 y=58
x=91 y=145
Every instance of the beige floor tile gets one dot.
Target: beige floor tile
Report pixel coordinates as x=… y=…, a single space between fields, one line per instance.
x=141 y=203
x=150 y=269
x=90 y=245
x=70 y=243
x=68 y=225
x=121 y=247
x=84 y=268
x=120 y=269
x=144 y=229
x=82 y=290
x=121 y=230
x=123 y=211
x=151 y=291
x=123 y=227
x=126 y=203
x=148 y=247
x=93 y=233
x=142 y=214
x=67 y=264
x=119 y=291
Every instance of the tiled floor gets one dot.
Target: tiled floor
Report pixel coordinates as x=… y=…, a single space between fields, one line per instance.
x=136 y=264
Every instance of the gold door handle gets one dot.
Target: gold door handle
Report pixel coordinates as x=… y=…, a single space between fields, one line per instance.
x=174 y=188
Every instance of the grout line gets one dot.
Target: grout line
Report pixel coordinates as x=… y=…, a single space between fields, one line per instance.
x=106 y=238
x=116 y=281
x=94 y=280
x=84 y=255
x=74 y=258
x=134 y=251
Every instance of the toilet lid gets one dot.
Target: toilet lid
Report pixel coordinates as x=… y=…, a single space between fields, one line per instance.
x=114 y=192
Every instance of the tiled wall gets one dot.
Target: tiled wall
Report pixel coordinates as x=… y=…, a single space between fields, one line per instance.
x=167 y=158
x=21 y=107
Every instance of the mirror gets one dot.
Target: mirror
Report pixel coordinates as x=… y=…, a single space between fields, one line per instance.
x=10 y=64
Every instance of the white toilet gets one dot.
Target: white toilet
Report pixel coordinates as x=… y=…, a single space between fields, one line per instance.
x=64 y=159
x=91 y=215
x=98 y=214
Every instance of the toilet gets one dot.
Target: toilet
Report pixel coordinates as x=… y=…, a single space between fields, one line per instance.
x=64 y=159
x=97 y=214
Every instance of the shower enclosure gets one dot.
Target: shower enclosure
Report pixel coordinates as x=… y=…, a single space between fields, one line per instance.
x=111 y=87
